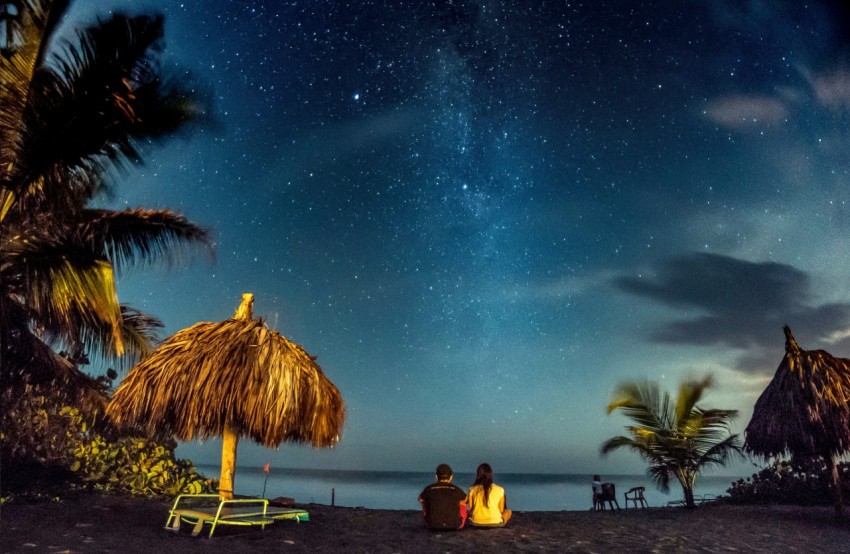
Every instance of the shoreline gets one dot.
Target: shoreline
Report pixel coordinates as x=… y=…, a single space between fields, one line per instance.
x=398 y=490
x=95 y=523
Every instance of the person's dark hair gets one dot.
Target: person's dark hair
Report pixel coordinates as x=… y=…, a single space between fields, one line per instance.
x=484 y=477
x=596 y=478
x=444 y=472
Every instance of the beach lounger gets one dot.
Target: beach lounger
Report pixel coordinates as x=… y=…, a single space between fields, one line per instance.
x=200 y=509
x=698 y=499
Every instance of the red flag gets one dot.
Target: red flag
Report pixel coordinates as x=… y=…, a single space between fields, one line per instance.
x=266 y=468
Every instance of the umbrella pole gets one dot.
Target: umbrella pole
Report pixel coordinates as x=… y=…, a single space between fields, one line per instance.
x=228 y=462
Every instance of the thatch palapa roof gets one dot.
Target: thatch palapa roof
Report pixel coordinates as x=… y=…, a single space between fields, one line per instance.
x=237 y=371
x=232 y=379
x=806 y=407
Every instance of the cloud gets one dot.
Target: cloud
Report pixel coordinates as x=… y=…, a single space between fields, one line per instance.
x=738 y=304
x=837 y=336
x=349 y=137
x=740 y=112
x=832 y=90
x=744 y=113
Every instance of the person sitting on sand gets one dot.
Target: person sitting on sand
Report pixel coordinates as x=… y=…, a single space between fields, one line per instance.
x=597 y=493
x=486 y=500
x=443 y=503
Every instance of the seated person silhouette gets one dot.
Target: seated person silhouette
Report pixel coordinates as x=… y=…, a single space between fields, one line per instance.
x=486 y=500
x=443 y=503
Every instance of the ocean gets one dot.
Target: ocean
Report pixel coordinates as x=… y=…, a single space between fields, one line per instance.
x=399 y=490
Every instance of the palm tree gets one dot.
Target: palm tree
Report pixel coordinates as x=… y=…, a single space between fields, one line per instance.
x=677 y=439
x=73 y=114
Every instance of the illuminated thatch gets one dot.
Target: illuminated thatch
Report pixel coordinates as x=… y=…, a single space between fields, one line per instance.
x=232 y=379
x=805 y=409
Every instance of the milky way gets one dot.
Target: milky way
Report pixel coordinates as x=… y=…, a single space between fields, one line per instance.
x=483 y=215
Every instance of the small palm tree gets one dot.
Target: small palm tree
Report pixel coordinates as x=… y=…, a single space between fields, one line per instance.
x=678 y=439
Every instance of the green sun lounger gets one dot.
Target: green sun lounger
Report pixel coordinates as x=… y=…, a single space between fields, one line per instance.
x=198 y=509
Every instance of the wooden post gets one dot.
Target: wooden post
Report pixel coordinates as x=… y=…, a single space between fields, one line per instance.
x=837 y=496
x=230 y=438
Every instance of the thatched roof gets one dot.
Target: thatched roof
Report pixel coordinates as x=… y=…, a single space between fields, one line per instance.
x=237 y=372
x=806 y=407
x=33 y=363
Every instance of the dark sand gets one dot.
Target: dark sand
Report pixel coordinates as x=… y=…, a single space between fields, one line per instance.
x=129 y=525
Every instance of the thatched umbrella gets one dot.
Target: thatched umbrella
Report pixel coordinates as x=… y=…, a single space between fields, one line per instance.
x=805 y=410
x=234 y=378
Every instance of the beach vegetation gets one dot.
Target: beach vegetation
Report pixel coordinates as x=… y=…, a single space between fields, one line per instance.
x=135 y=465
x=77 y=110
x=74 y=114
x=803 y=481
x=48 y=445
x=677 y=437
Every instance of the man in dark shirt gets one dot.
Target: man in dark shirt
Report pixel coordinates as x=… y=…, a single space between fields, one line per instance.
x=444 y=504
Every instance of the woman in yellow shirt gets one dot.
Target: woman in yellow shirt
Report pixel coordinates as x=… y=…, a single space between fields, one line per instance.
x=486 y=500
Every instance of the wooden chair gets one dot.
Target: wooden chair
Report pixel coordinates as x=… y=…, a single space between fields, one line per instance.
x=609 y=495
x=635 y=495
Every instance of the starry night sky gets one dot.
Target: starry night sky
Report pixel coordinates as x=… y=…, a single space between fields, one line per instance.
x=481 y=216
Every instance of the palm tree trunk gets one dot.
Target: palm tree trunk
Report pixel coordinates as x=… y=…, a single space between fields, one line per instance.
x=689 y=495
x=837 y=496
x=230 y=438
x=687 y=487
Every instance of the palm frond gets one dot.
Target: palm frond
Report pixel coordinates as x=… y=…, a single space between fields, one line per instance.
x=86 y=296
x=64 y=290
x=29 y=38
x=660 y=475
x=140 y=332
x=642 y=402
x=173 y=104
x=720 y=453
x=691 y=392
x=152 y=235
x=7 y=198
x=615 y=443
x=101 y=99
x=139 y=336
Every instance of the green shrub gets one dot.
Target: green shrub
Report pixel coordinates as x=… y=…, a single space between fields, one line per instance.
x=48 y=446
x=800 y=481
x=34 y=430
x=137 y=466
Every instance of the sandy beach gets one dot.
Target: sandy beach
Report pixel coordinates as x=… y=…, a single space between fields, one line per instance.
x=129 y=525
